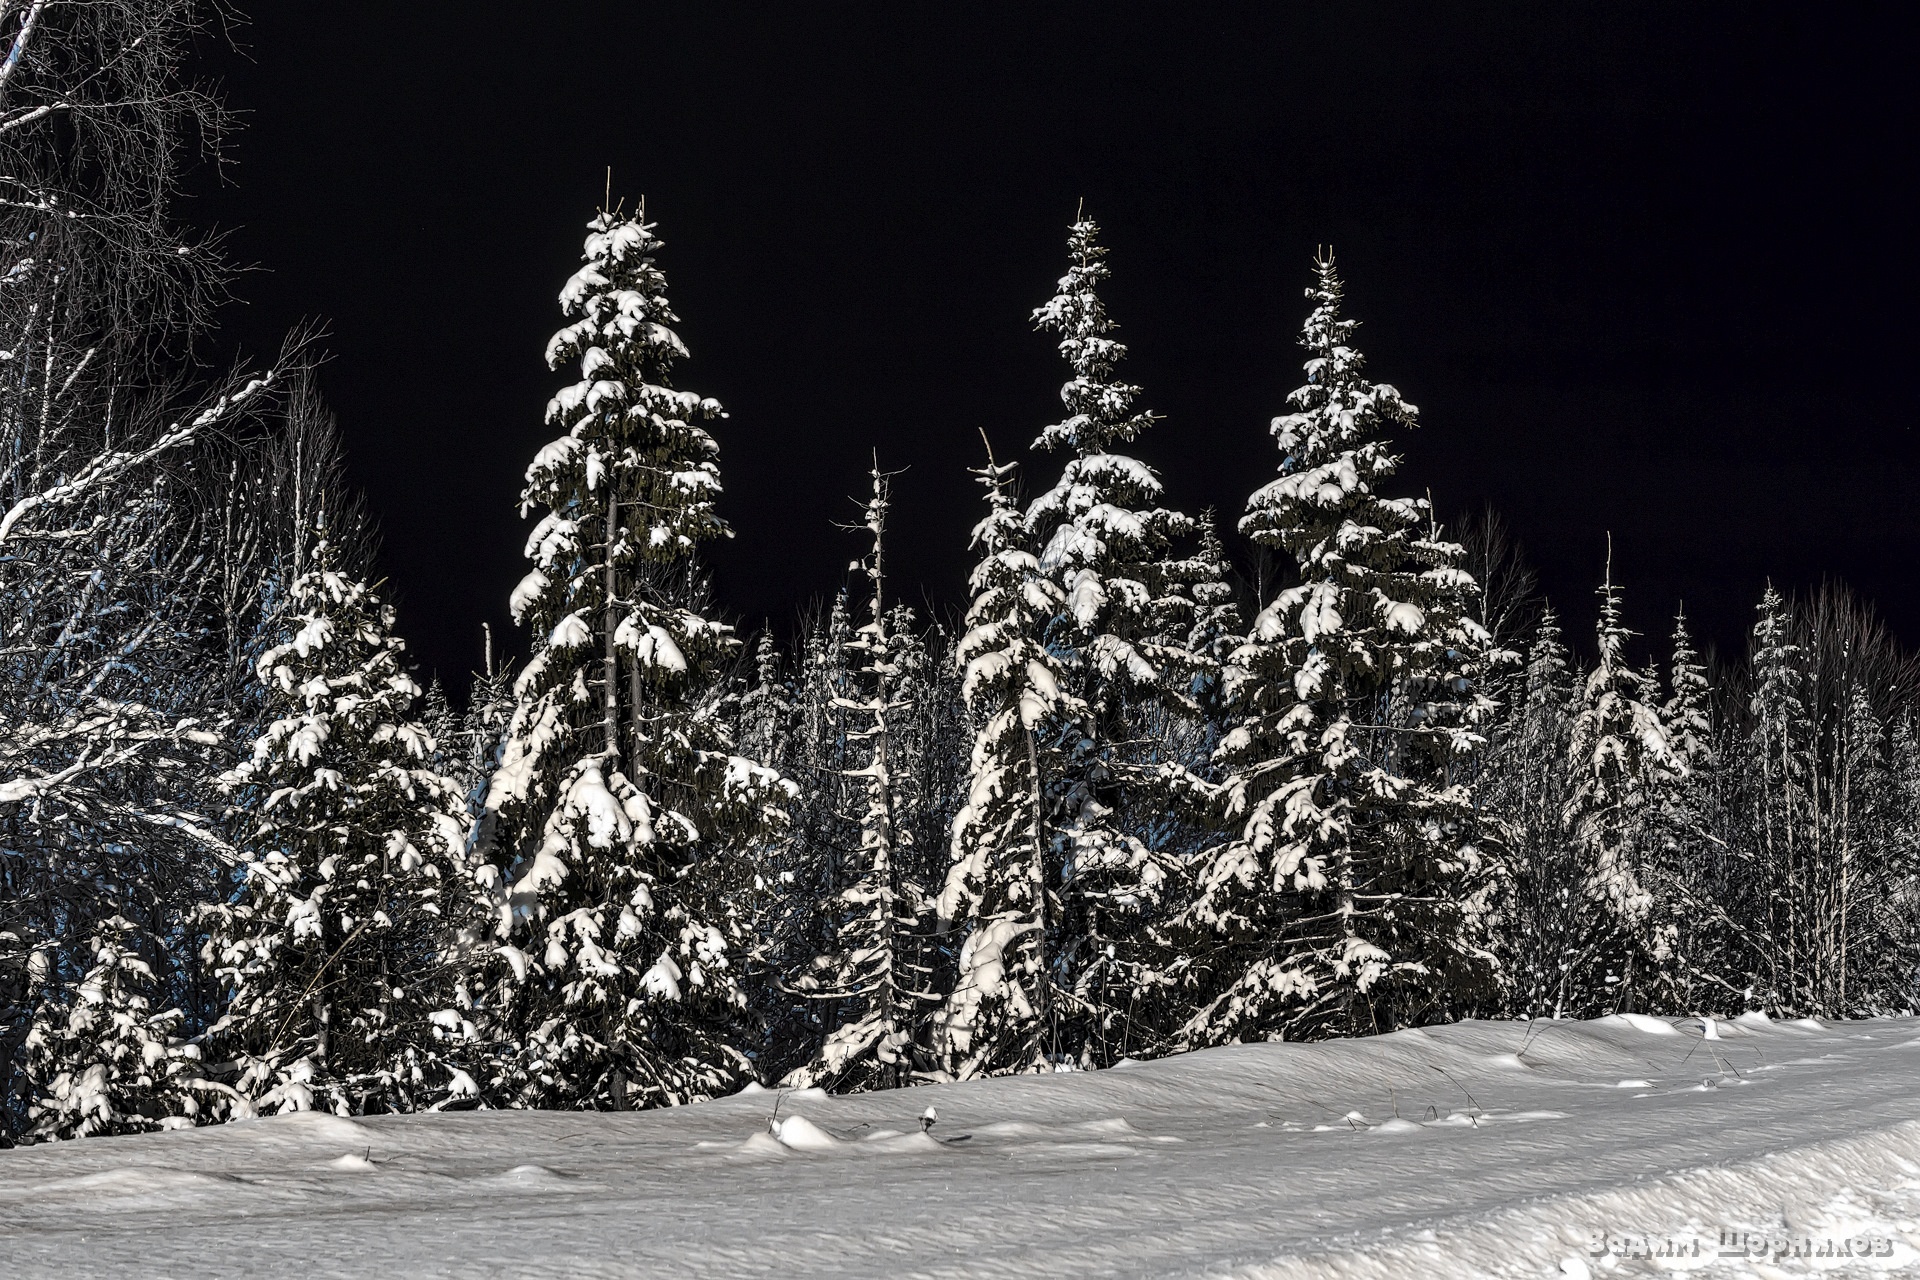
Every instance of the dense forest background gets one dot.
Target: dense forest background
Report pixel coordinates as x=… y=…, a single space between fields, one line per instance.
x=1324 y=764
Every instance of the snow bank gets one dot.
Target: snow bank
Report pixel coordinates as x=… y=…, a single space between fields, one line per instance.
x=1479 y=1150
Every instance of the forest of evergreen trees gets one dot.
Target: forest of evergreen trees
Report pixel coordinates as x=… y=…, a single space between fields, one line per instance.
x=1128 y=801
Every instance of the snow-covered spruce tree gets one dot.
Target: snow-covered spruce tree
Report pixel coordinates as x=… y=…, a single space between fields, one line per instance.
x=1525 y=789
x=1349 y=893
x=342 y=954
x=1855 y=942
x=865 y=972
x=767 y=708
x=1002 y=1015
x=1186 y=731
x=1106 y=545
x=619 y=806
x=1549 y=687
x=1780 y=765
x=1693 y=865
x=1203 y=636
x=1620 y=761
x=482 y=730
x=1687 y=714
x=108 y=1061
x=1895 y=900
x=805 y=866
x=1216 y=628
x=437 y=718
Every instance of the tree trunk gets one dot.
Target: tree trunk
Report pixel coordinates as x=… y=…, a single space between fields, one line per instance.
x=1043 y=980
x=611 y=727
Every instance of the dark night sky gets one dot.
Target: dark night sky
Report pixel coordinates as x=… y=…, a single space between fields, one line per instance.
x=1644 y=268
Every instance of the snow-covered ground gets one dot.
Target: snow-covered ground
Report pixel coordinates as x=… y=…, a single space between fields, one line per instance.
x=1484 y=1149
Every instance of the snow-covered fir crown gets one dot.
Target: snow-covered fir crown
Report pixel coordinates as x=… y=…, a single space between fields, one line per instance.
x=1100 y=409
x=1336 y=404
x=621 y=334
x=619 y=296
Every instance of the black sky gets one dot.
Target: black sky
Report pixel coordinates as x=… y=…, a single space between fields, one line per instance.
x=1646 y=268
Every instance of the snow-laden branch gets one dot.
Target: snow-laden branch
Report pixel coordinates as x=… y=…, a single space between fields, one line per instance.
x=27 y=24
x=18 y=789
x=26 y=118
x=112 y=735
x=113 y=464
x=65 y=103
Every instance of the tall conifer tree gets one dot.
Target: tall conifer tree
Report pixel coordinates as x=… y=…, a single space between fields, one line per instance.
x=1526 y=790
x=866 y=971
x=1620 y=759
x=620 y=803
x=1105 y=543
x=345 y=945
x=1348 y=896
x=1001 y=888
x=1781 y=748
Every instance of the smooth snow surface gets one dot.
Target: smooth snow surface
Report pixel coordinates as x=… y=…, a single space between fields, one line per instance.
x=1478 y=1150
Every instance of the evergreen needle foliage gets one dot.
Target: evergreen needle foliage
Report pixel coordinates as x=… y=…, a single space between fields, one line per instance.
x=1133 y=803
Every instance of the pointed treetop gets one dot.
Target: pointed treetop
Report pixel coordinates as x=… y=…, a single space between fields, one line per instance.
x=1772 y=641
x=996 y=477
x=1776 y=662
x=874 y=512
x=1326 y=334
x=1333 y=450
x=1686 y=710
x=1100 y=408
x=1683 y=650
x=1613 y=633
x=1547 y=663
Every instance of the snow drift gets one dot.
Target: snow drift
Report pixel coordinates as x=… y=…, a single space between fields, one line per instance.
x=1623 y=1147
